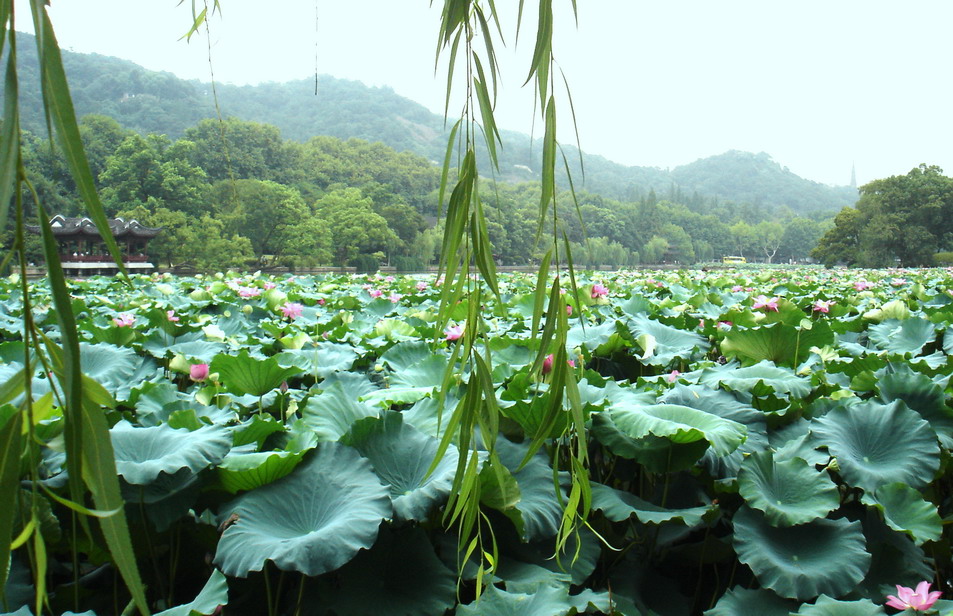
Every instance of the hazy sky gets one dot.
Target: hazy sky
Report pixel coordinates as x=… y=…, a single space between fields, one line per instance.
x=818 y=84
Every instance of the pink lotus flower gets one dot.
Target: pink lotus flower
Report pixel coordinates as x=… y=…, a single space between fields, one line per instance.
x=822 y=306
x=725 y=324
x=898 y=282
x=701 y=323
x=768 y=304
x=862 y=285
x=920 y=600
x=394 y=297
x=422 y=286
x=170 y=314
x=389 y=279
x=320 y=301
x=375 y=292
x=125 y=319
x=270 y=285
x=248 y=292
x=599 y=291
x=737 y=288
x=292 y=310
x=198 y=372
x=548 y=364
x=672 y=376
x=454 y=332
x=568 y=310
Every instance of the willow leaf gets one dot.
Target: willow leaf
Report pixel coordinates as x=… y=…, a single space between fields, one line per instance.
x=10 y=450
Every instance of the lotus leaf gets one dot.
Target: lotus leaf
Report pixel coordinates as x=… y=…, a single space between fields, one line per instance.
x=788 y=491
x=825 y=606
x=876 y=444
x=212 y=595
x=143 y=453
x=619 y=506
x=245 y=375
x=247 y=471
x=313 y=521
x=738 y=601
x=781 y=380
x=801 y=562
x=401 y=456
x=902 y=337
x=905 y=510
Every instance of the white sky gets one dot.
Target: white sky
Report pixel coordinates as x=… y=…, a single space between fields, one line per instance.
x=818 y=84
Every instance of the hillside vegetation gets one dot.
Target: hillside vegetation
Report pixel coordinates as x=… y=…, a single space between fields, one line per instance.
x=152 y=102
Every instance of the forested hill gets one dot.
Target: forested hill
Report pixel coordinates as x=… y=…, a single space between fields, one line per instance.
x=154 y=102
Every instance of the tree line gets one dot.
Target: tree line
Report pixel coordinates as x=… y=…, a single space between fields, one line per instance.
x=234 y=193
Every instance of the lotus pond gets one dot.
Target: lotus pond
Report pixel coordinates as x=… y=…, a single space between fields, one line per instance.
x=759 y=442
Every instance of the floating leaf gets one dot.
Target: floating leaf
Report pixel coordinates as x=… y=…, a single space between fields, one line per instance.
x=825 y=606
x=801 y=562
x=143 y=453
x=876 y=444
x=619 y=506
x=905 y=510
x=738 y=601
x=401 y=455
x=312 y=521
x=788 y=492
x=245 y=375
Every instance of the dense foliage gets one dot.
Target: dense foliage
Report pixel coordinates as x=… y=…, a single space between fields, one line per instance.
x=903 y=218
x=213 y=189
x=766 y=442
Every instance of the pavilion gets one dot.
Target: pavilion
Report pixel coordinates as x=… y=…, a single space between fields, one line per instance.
x=83 y=252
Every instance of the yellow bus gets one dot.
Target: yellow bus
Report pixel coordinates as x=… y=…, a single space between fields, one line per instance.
x=733 y=260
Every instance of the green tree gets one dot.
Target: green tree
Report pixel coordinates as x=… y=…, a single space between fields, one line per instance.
x=269 y=214
x=767 y=238
x=354 y=225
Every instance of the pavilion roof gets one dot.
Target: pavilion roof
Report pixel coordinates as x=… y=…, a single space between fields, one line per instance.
x=85 y=228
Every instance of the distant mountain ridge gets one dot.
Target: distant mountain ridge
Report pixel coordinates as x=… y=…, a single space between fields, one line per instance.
x=149 y=101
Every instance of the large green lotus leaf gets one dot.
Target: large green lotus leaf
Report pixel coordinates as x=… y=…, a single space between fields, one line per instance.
x=657 y=454
x=212 y=595
x=670 y=343
x=740 y=601
x=893 y=310
x=332 y=412
x=401 y=456
x=312 y=521
x=546 y=601
x=322 y=360
x=539 y=506
x=242 y=375
x=779 y=343
x=901 y=337
x=246 y=471
x=905 y=510
x=725 y=405
x=920 y=393
x=619 y=506
x=794 y=441
x=825 y=606
x=801 y=562
x=202 y=350
x=414 y=364
x=591 y=336
x=895 y=559
x=399 y=576
x=109 y=365
x=788 y=492
x=781 y=380
x=877 y=444
x=143 y=453
x=948 y=341
x=680 y=424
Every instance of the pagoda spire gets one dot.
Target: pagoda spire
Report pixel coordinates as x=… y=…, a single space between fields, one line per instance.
x=853 y=176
